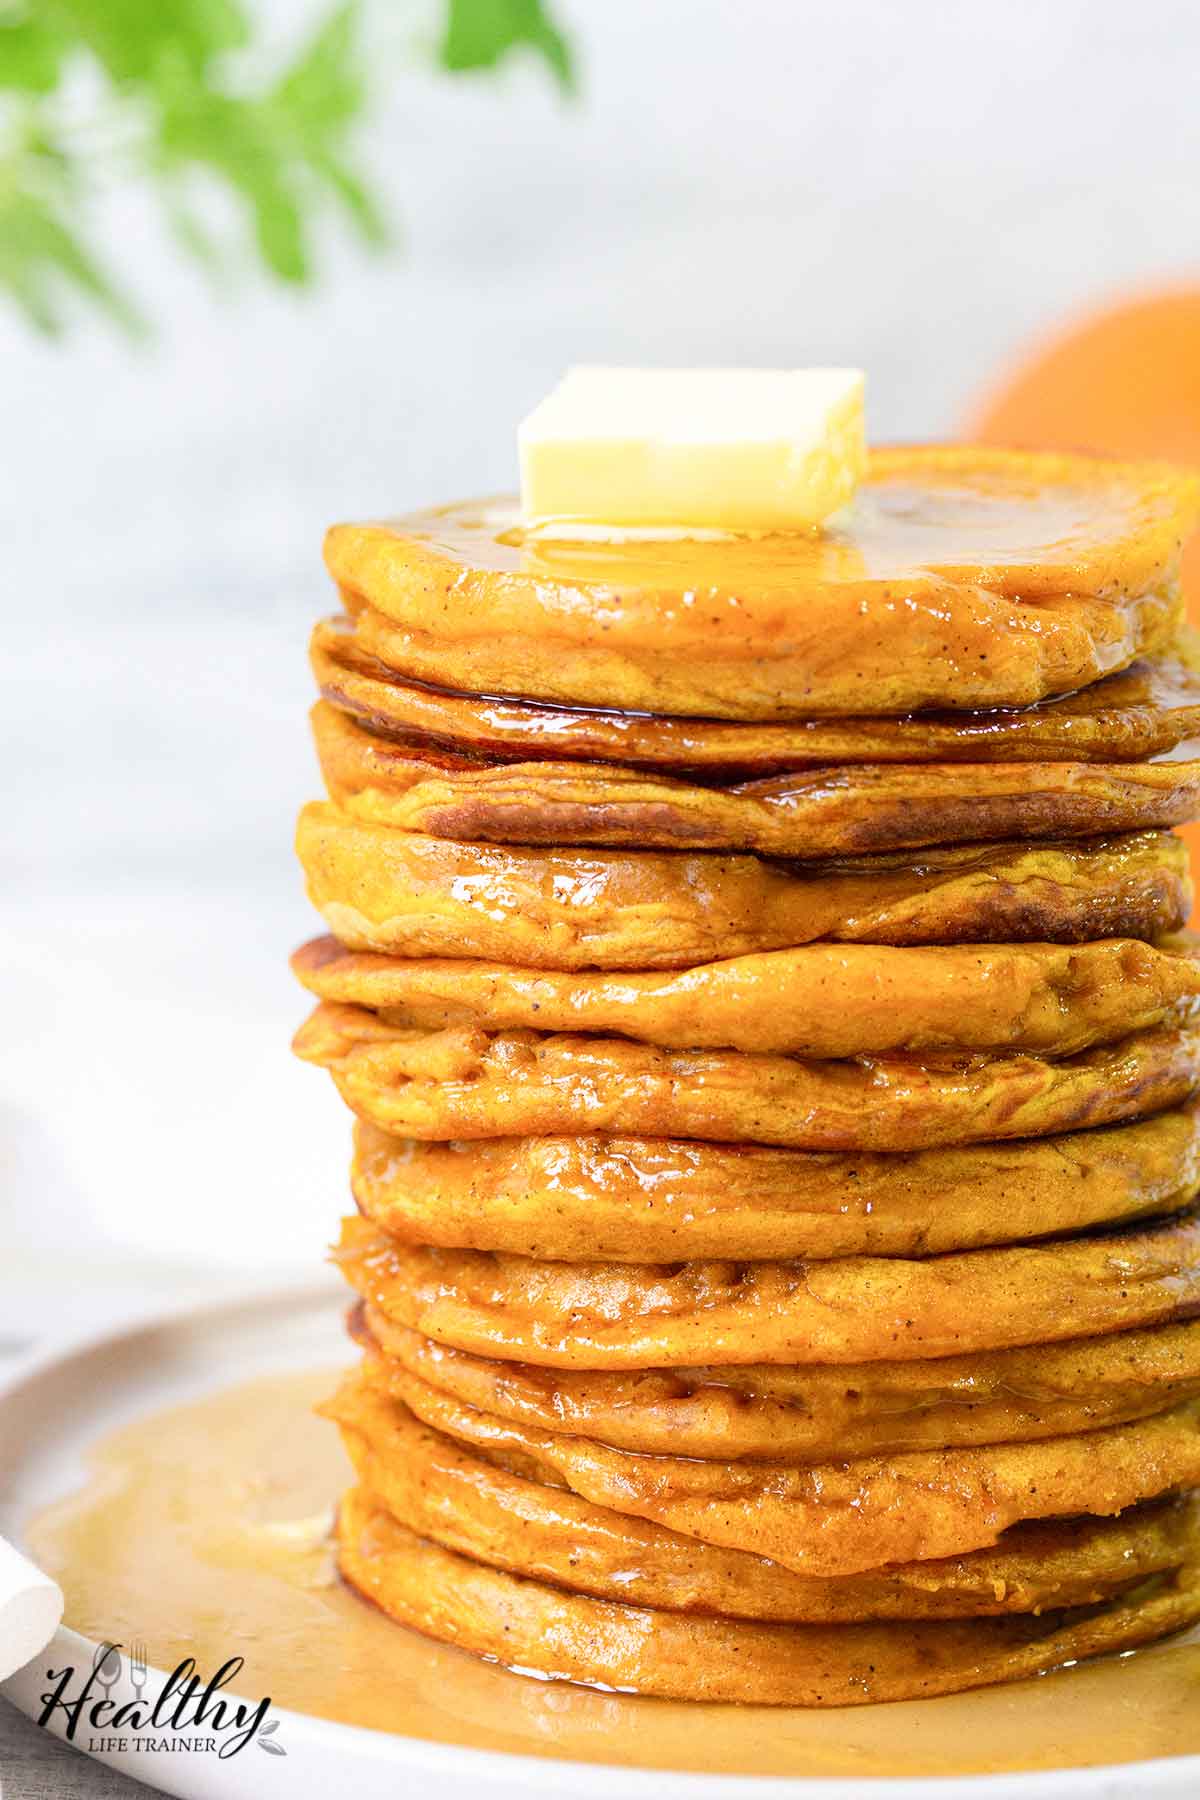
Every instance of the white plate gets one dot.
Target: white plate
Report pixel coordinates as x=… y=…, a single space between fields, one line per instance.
x=52 y=1409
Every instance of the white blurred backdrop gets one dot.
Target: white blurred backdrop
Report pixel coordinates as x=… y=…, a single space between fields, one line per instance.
x=912 y=187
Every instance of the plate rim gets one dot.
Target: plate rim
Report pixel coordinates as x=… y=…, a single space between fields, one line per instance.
x=1159 y=1778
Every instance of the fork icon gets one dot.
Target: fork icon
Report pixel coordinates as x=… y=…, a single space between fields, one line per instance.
x=137 y=1667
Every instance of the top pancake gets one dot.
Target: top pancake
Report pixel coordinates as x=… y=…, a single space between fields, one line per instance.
x=959 y=578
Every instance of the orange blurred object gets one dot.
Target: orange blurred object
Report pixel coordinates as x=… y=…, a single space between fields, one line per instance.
x=1126 y=381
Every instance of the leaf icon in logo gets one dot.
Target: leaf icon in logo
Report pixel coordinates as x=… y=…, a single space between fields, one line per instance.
x=272 y=1725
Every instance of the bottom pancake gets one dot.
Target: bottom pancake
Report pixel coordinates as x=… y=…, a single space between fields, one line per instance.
x=540 y=1629
x=491 y=1510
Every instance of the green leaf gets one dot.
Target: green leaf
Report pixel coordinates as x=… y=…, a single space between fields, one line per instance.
x=235 y=140
x=31 y=53
x=40 y=255
x=481 y=33
x=182 y=107
x=317 y=101
x=279 y=228
x=191 y=231
x=130 y=37
x=358 y=203
x=324 y=90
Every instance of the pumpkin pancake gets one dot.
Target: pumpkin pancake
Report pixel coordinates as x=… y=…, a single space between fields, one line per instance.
x=1144 y=711
x=467 y=1083
x=818 y=1411
x=397 y=891
x=825 y=812
x=817 y=1001
x=536 y=1627
x=623 y=1199
x=958 y=578
x=620 y=1316
x=483 y=1509
x=844 y=1517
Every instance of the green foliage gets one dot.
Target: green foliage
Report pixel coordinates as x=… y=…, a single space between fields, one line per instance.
x=38 y=250
x=177 y=87
x=31 y=53
x=480 y=33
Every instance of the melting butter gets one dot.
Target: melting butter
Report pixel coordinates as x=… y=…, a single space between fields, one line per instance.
x=664 y=453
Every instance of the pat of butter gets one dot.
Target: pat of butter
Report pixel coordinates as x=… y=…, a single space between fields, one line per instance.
x=666 y=451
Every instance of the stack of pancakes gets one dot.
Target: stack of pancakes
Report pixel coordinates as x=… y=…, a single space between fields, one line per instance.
x=776 y=1057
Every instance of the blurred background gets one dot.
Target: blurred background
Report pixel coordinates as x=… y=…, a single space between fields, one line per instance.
x=269 y=265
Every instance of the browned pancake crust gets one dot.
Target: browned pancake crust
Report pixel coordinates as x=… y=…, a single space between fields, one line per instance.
x=816 y=1001
x=817 y=1412
x=850 y=1461
x=467 y=1083
x=624 y=1199
x=532 y=1625
x=1142 y=712
x=593 y=1315
x=481 y=1508
x=381 y=889
x=814 y=813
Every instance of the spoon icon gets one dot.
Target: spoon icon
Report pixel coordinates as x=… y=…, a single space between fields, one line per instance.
x=106 y=1666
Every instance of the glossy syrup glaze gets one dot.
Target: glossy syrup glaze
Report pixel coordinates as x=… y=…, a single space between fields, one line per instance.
x=1144 y=711
x=204 y=1532
x=958 y=579
x=955 y=512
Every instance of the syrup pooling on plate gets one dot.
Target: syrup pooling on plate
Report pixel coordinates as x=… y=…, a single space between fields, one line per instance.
x=240 y=1563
